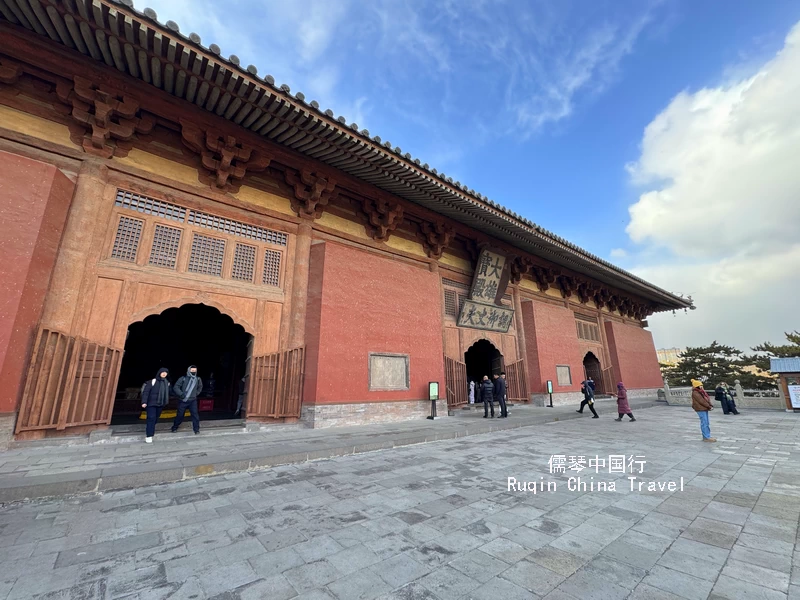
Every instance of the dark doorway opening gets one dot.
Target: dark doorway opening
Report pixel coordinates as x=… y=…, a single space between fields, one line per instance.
x=481 y=359
x=193 y=334
x=592 y=368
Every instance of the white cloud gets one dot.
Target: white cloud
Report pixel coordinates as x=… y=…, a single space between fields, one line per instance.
x=720 y=205
x=618 y=253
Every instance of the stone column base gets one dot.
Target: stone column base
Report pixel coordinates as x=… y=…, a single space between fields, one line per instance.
x=363 y=413
x=7 y=423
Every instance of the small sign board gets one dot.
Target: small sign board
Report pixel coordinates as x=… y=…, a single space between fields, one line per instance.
x=794 y=395
x=433 y=390
x=549 y=387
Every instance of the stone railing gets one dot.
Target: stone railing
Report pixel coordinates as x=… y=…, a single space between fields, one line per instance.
x=682 y=396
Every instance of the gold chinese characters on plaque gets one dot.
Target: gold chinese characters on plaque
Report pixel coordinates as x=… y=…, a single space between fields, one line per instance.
x=482 y=311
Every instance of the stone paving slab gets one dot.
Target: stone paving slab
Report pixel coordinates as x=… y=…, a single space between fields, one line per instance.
x=38 y=471
x=438 y=522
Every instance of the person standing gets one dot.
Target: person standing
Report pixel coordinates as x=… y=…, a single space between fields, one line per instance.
x=722 y=398
x=242 y=394
x=188 y=388
x=591 y=384
x=588 y=398
x=487 y=395
x=701 y=403
x=729 y=396
x=623 y=408
x=155 y=396
x=500 y=393
x=472 y=391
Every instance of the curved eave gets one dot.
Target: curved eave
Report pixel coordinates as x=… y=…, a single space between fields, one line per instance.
x=135 y=43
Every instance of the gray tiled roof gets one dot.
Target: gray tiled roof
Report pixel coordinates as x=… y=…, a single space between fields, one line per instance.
x=785 y=365
x=137 y=44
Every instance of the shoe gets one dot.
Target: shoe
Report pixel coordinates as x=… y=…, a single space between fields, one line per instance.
x=709 y=439
x=737 y=414
x=632 y=420
x=579 y=411
x=148 y=440
x=596 y=417
x=485 y=416
x=197 y=432
x=174 y=429
x=618 y=420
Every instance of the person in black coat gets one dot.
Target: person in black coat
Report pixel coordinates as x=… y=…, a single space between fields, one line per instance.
x=187 y=389
x=487 y=395
x=587 y=388
x=500 y=393
x=155 y=396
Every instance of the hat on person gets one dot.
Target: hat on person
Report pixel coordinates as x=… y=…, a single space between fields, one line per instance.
x=696 y=383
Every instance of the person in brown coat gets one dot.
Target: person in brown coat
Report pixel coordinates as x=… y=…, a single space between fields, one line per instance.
x=623 y=408
x=701 y=403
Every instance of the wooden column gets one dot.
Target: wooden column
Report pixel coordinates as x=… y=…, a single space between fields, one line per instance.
x=522 y=344
x=67 y=283
x=302 y=254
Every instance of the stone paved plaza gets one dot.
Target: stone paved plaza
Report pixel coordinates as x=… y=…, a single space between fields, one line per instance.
x=437 y=520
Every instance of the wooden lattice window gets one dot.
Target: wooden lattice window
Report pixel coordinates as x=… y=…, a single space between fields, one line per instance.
x=587 y=331
x=126 y=242
x=251 y=232
x=450 y=303
x=207 y=255
x=150 y=206
x=244 y=262
x=166 y=242
x=272 y=268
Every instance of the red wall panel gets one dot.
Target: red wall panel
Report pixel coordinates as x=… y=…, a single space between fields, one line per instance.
x=633 y=355
x=360 y=302
x=551 y=339
x=34 y=201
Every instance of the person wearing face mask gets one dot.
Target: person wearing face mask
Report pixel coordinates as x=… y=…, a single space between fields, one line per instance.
x=188 y=388
x=155 y=396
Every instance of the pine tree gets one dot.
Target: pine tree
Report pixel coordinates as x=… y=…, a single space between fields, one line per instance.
x=710 y=364
x=768 y=350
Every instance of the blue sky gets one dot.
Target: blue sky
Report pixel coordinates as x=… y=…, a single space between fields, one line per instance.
x=579 y=115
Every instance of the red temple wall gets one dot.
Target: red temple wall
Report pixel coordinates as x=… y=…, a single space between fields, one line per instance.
x=633 y=355
x=34 y=201
x=551 y=340
x=360 y=302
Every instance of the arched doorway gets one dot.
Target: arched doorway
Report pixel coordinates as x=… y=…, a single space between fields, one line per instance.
x=192 y=334
x=481 y=359
x=592 y=368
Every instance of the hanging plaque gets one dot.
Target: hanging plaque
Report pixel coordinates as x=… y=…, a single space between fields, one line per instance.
x=482 y=310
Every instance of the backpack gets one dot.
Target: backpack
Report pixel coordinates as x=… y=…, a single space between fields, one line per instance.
x=144 y=385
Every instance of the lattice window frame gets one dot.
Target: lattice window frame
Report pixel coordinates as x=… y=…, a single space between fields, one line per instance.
x=271 y=268
x=237 y=228
x=450 y=303
x=199 y=265
x=149 y=206
x=164 y=249
x=245 y=257
x=127 y=239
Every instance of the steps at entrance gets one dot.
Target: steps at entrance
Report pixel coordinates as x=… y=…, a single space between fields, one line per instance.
x=134 y=433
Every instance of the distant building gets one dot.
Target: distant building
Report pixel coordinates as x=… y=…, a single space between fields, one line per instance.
x=669 y=356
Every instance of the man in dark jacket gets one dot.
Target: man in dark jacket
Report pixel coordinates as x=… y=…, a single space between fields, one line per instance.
x=487 y=395
x=187 y=389
x=155 y=396
x=500 y=393
x=588 y=398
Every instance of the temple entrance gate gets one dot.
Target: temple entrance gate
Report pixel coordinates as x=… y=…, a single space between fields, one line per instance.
x=192 y=334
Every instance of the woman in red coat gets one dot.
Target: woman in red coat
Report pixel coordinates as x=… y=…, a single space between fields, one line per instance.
x=622 y=402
